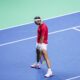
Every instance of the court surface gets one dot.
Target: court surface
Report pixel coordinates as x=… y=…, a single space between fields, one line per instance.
x=17 y=50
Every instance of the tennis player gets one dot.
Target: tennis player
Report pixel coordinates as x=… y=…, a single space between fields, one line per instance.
x=41 y=45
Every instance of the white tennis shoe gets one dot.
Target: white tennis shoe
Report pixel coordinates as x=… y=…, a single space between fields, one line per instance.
x=49 y=73
x=35 y=66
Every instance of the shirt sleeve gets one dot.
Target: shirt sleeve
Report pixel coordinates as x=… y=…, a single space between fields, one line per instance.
x=43 y=31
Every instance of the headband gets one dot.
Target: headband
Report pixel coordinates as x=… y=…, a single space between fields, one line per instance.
x=36 y=19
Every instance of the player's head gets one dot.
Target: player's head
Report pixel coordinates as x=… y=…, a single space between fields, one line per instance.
x=37 y=20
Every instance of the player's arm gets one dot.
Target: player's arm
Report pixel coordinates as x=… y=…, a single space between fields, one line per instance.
x=41 y=39
x=42 y=35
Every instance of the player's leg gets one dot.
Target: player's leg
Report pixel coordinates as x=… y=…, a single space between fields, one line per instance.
x=49 y=72
x=36 y=64
x=46 y=58
x=37 y=55
x=44 y=51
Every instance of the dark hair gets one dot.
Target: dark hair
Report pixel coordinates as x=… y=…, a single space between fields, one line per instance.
x=37 y=17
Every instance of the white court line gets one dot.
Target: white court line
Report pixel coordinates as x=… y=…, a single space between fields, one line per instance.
x=73 y=78
x=11 y=27
x=7 y=43
x=76 y=29
x=54 y=32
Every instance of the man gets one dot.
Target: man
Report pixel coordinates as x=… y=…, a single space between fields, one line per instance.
x=41 y=46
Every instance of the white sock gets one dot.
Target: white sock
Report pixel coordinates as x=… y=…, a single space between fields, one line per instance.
x=49 y=69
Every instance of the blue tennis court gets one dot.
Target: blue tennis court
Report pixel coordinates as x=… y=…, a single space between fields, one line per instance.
x=17 y=50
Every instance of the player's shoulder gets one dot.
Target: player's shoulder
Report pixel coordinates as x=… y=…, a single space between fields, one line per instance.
x=44 y=25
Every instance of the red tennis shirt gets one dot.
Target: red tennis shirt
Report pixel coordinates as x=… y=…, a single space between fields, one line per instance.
x=42 y=31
